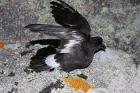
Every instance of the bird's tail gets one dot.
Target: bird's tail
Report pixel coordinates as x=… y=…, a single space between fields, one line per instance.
x=38 y=61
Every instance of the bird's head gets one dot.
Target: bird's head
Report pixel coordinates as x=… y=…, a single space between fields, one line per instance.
x=97 y=44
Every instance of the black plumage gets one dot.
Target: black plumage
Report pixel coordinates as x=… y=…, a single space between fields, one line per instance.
x=75 y=47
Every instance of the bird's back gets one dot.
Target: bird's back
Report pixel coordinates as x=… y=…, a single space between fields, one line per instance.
x=78 y=58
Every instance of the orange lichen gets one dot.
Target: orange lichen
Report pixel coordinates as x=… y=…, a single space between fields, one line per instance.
x=2 y=44
x=77 y=83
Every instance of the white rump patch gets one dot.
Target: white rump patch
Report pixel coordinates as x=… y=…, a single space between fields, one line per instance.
x=67 y=48
x=50 y=61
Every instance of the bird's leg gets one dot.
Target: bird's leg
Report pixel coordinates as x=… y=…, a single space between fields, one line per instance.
x=73 y=74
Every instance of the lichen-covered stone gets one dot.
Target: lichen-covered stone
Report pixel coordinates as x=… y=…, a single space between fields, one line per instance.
x=117 y=21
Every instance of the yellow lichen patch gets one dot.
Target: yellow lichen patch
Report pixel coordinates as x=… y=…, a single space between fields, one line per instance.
x=77 y=83
x=2 y=44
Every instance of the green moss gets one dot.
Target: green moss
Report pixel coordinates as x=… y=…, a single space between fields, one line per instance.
x=43 y=18
x=31 y=4
x=3 y=2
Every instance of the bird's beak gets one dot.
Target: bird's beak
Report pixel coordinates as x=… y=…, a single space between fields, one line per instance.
x=103 y=47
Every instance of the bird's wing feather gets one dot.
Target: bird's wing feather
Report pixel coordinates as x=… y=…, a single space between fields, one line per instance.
x=68 y=17
x=52 y=30
x=45 y=28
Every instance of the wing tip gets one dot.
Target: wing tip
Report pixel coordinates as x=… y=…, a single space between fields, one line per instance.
x=30 y=26
x=27 y=26
x=34 y=27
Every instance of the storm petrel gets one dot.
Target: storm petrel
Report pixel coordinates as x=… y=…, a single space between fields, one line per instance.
x=74 y=48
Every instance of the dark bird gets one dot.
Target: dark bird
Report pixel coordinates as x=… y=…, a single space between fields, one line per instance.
x=75 y=47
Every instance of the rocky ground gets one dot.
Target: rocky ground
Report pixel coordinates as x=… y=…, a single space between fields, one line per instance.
x=114 y=71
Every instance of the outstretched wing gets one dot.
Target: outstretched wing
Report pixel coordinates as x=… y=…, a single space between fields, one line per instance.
x=75 y=28
x=68 y=17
